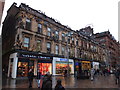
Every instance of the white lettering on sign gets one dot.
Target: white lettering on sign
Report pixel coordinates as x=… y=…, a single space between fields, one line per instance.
x=33 y=56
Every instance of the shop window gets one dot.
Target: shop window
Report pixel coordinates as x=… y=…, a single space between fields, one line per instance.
x=49 y=31
x=39 y=28
x=28 y=24
x=45 y=67
x=22 y=69
x=57 y=49
x=26 y=42
x=48 y=47
x=38 y=45
x=62 y=66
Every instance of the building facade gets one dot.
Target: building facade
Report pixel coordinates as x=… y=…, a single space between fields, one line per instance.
x=32 y=40
x=106 y=39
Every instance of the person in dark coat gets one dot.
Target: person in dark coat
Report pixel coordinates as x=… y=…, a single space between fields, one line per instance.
x=47 y=83
x=30 y=77
x=38 y=78
x=65 y=74
x=59 y=86
x=117 y=76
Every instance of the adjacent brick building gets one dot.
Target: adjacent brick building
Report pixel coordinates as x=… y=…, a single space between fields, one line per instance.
x=106 y=39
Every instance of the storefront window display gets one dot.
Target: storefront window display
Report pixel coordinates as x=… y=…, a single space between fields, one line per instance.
x=62 y=66
x=23 y=68
x=86 y=65
x=45 y=67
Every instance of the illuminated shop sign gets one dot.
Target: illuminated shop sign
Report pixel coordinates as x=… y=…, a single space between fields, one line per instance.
x=34 y=56
x=63 y=59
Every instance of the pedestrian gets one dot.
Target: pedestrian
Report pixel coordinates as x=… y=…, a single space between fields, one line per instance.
x=30 y=77
x=38 y=78
x=117 y=75
x=59 y=85
x=65 y=73
x=92 y=72
x=47 y=82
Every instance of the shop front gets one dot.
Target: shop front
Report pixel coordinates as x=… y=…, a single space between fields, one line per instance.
x=20 y=63
x=82 y=68
x=45 y=66
x=61 y=64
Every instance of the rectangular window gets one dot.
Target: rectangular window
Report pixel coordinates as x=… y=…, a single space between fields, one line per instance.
x=63 y=50
x=68 y=40
x=49 y=31
x=77 y=42
x=39 y=28
x=56 y=49
x=63 y=37
x=69 y=51
x=26 y=42
x=28 y=24
x=72 y=40
x=56 y=35
x=38 y=45
x=48 y=47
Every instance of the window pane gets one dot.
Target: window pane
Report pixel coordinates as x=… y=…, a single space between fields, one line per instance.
x=26 y=42
x=25 y=45
x=57 y=49
x=39 y=25
x=38 y=45
x=28 y=24
x=49 y=32
x=48 y=45
x=28 y=20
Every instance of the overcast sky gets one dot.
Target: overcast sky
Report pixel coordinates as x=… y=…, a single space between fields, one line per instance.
x=100 y=14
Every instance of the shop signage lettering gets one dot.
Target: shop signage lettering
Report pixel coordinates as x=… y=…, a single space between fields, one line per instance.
x=34 y=56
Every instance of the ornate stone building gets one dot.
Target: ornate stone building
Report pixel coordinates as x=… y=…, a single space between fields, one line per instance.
x=33 y=40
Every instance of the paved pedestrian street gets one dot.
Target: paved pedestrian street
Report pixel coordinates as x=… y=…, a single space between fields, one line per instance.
x=67 y=82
